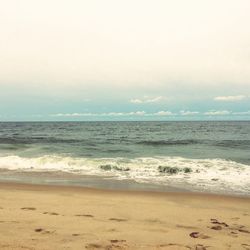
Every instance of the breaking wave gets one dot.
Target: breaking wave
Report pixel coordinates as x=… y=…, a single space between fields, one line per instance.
x=213 y=175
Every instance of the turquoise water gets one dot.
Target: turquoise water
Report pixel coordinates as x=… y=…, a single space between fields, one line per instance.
x=203 y=156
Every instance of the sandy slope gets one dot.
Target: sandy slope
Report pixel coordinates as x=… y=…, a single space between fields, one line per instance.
x=49 y=217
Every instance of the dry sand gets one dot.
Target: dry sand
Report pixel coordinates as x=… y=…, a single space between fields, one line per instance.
x=52 y=217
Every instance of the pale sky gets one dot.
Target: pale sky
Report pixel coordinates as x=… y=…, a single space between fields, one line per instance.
x=124 y=60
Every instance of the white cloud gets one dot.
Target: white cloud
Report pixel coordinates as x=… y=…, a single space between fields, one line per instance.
x=218 y=112
x=137 y=113
x=112 y=114
x=232 y=98
x=156 y=114
x=140 y=113
x=183 y=112
x=72 y=114
x=136 y=101
x=146 y=99
x=156 y=99
x=163 y=113
x=242 y=113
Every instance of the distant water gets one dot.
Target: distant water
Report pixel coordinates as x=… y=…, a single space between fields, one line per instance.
x=197 y=156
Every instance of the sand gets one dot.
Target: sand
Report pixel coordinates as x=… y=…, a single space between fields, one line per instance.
x=53 y=217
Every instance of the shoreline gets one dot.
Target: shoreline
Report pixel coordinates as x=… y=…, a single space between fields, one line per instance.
x=12 y=185
x=59 y=178
x=46 y=217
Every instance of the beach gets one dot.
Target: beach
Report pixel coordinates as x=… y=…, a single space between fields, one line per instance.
x=124 y=125
x=124 y=185
x=45 y=217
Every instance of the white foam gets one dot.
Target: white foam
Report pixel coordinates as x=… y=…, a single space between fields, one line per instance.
x=207 y=174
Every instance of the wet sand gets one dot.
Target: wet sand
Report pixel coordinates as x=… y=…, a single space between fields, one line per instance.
x=58 y=217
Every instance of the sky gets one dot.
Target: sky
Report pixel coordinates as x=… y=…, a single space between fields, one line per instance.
x=84 y=60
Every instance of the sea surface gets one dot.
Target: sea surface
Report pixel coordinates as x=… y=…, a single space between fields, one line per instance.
x=193 y=156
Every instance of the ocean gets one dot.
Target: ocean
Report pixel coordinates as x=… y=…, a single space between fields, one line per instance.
x=211 y=157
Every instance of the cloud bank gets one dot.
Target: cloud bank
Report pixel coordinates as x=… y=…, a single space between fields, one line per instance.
x=230 y=98
x=158 y=113
x=148 y=100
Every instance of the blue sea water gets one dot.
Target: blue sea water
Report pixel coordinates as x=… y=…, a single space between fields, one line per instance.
x=200 y=156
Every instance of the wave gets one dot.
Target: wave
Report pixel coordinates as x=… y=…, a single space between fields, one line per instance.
x=194 y=174
x=168 y=142
x=220 y=143
x=38 y=139
x=233 y=143
x=45 y=140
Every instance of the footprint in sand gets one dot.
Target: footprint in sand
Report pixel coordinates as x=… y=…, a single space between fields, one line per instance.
x=216 y=227
x=117 y=219
x=117 y=241
x=53 y=213
x=200 y=247
x=28 y=208
x=246 y=246
x=244 y=231
x=173 y=246
x=41 y=230
x=235 y=227
x=75 y=234
x=233 y=234
x=85 y=215
x=199 y=235
x=240 y=228
x=95 y=246
x=112 y=230
x=115 y=244
x=215 y=221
